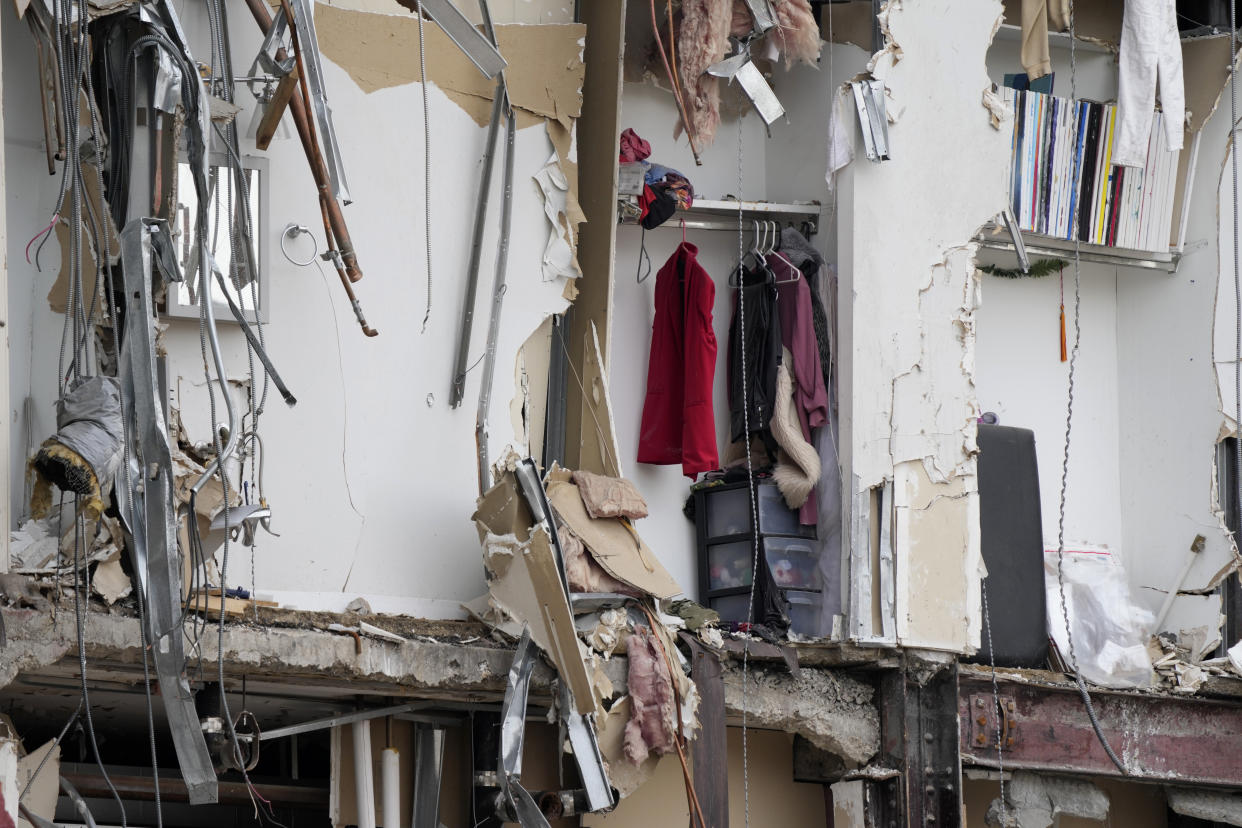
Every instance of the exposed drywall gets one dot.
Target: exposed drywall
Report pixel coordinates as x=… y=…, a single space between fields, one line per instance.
x=907 y=367
x=775 y=799
x=371 y=477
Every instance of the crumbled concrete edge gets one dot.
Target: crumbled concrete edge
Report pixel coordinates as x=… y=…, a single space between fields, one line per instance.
x=1213 y=806
x=834 y=712
x=26 y=649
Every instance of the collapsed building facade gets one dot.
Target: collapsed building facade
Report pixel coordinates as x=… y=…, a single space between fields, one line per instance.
x=532 y=512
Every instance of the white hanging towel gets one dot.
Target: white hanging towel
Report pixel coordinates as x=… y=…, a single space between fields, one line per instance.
x=1149 y=45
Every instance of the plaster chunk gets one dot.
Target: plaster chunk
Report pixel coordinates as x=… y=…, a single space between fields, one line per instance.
x=1036 y=801
x=1206 y=805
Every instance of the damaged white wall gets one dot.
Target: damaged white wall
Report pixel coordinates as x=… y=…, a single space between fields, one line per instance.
x=371 y=477
x=907 y=364
x=1146 y=410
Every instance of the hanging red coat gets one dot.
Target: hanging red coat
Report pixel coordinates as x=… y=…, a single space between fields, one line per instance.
x=678 y=424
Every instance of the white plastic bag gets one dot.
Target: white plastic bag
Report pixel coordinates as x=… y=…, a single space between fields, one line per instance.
x=1110 y=630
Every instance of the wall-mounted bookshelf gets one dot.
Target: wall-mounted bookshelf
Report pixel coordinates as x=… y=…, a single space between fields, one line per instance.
x=1045 y=247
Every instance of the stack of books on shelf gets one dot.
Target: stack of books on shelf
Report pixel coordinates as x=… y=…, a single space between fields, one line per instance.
x=1062 y=178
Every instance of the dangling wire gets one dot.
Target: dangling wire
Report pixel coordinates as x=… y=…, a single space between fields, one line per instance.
x=422 y=68
x=750 y=479
x=1069 y=422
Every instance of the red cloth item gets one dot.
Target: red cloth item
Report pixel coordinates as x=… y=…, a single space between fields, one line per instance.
x=644 y=201
x=678 y=424
x=633 y=148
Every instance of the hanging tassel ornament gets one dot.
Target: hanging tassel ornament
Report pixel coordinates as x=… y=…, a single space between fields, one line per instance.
x=1064 y=353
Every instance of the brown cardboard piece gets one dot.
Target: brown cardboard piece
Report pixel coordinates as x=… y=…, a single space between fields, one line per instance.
x=620 y=551
x=93 y=203
x=544 y=76
x=623 y=774
x=41 y=800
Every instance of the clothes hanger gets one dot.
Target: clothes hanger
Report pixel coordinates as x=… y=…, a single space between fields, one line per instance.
x=643 y=257
x=794 y=273
x=735 y=280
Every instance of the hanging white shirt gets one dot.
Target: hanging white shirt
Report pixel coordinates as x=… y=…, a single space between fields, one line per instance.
x=1150 y=48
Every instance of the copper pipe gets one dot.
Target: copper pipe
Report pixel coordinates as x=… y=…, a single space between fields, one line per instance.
x=672 y=79
x=306 y=131
x=324 y=200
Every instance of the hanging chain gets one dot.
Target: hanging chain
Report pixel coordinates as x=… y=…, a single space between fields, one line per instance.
x=996 y=708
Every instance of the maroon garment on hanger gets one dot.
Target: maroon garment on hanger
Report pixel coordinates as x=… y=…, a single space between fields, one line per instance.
x=678 y=424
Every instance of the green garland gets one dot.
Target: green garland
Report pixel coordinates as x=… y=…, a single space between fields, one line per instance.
x=1043 y=267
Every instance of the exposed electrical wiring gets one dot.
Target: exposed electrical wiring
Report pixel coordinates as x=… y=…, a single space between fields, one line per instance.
x=1069 y=423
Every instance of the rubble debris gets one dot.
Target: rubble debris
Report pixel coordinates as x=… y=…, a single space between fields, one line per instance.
x=1218 y=808
x=359 y=606
x=110 y=581
x=1037 y=801
x=20 y=591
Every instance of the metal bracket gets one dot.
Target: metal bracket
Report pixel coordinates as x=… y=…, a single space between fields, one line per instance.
x=741 y=68
x=470 y=40
x=872 y=118
x=984 y=726
x=762 y=14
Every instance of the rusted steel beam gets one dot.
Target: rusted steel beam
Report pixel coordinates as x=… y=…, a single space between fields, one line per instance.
x=1159 y=738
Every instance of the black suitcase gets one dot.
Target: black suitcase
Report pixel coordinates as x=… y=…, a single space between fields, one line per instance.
x=1011 y=537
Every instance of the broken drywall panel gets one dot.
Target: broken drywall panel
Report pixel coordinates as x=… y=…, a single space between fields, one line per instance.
x=599 y=451
x=613 y=542
x=524 y=581
x=529 y=407
x=937 y=531
x=907 y=383
x=559 y=256
x=42 y=794
x=544 y=76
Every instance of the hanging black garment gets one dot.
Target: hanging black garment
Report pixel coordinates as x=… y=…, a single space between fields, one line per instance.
x=755 y=371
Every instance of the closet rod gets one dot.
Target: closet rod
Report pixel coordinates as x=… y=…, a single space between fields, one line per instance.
x=722 y=215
